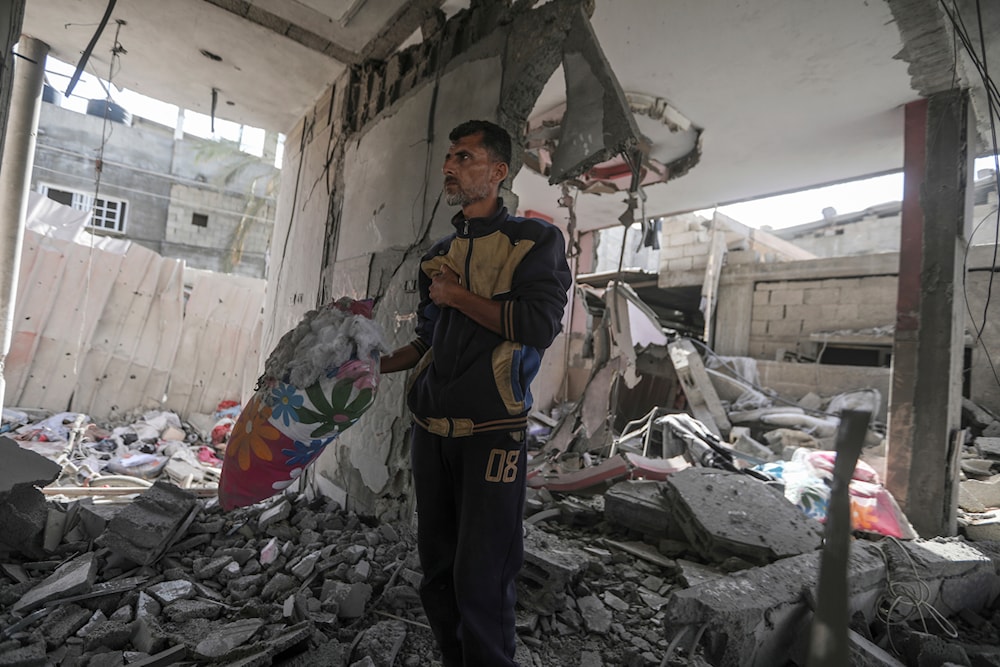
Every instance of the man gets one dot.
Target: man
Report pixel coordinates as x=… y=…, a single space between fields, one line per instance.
x=492 y=296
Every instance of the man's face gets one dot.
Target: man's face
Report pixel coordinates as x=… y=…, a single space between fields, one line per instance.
x=470 y=174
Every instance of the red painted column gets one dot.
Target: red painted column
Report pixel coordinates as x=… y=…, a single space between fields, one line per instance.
x=926 y=394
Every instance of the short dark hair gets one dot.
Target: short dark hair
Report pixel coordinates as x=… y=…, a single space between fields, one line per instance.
x=496 y=140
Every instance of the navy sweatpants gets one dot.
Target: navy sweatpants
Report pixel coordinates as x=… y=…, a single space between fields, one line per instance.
x=470 y=503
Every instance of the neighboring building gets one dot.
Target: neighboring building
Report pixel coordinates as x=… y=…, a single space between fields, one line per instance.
x=202 y=201
x=877 y=228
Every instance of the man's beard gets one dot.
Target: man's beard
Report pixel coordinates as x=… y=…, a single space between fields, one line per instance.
x=461 y=197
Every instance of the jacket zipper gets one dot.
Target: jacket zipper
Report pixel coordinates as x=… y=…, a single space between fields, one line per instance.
x=468 y=257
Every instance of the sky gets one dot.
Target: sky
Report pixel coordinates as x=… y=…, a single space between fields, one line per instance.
x=768 y=212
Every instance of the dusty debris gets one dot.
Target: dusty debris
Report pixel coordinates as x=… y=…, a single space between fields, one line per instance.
x=123 y=459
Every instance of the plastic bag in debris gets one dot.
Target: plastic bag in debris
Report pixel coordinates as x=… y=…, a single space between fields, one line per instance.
x=807 y=484
x=866 y=400
x=319 y=380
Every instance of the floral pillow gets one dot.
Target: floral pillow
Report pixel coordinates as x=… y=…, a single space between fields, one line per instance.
x=284 y=428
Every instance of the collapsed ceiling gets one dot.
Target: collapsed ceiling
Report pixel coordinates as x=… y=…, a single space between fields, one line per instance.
x=778 y=95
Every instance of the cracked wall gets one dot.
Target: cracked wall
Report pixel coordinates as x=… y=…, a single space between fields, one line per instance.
x=361 y=202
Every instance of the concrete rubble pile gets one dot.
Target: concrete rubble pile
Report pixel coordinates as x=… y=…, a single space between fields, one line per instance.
x=707 y=566
x=979 y=488
x=132 y=451
x=170 y=578
x=738 y=558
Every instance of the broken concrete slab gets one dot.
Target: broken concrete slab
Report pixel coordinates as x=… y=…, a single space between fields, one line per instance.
x=62 y=624
x=988 y=447
x=950 y=573
x=984 y=492
x=23 y=466
x=639 y=505
x=596 y=616
x=976 y=416
x=550 y=566
x=32 y=655
x=983 y=527
x=145 y=527
x=753 y=616
x=381 y=643
x=168 y=592
x=727 y=514
x=23 y=515
x=227 y=638
x=72 y=578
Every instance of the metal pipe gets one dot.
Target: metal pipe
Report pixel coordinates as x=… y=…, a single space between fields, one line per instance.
x=15 y=178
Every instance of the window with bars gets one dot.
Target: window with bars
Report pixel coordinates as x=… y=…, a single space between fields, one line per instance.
x=109 y=214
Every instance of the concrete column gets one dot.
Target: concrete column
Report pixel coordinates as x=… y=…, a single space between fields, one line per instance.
x=926 y=395
x=15 y=178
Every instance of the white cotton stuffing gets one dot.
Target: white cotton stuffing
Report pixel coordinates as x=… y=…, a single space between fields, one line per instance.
x=322 y=340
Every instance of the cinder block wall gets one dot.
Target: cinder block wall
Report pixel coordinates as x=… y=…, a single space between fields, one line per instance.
x=685 y=244
x=785 y=312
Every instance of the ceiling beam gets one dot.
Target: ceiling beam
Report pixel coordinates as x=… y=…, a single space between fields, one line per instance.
x=290 y=30
x=397 y=29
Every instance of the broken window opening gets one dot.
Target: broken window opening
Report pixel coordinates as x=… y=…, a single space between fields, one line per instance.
x=108 y=214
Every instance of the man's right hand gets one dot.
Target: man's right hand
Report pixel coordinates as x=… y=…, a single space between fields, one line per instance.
x=401 y=359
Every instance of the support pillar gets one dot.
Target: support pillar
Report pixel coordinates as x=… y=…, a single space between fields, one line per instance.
x=926 y=395
x=15 y=178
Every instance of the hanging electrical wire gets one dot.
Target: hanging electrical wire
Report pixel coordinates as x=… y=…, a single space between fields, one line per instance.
x=993 y=105
x=993 y=108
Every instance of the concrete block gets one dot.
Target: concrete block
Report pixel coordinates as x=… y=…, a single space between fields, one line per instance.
x=62 y=624
x=787 y=296
x=114 y=635
x=769 y=312
x=985 y=492
x=596 y=616
x=875 y=314
x=671 y=252
x=841 y=316
x=72 y=578
x=811 y=315
x=351 y=599
x=679 y=239
x=639 y=505
x=822 y=296
x=844 y=284
x=727 y=514
x=95 y=518
x=696 y=250
x=761 y=297
x=680 y=264
x=787 y=328
x=23 y=516
x=144 y=527
x=758 y=328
